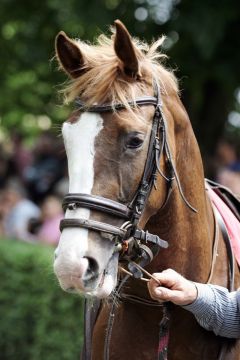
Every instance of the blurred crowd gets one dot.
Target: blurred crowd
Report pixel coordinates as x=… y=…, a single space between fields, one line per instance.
x=34 y=180
x=32 y=183
x=228 y=166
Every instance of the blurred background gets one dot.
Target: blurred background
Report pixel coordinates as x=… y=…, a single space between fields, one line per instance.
x=203 y=42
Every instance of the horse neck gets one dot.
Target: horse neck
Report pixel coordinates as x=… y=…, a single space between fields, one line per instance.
x=190 y=235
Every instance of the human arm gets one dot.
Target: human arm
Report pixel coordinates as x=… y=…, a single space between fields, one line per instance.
x=213 y=306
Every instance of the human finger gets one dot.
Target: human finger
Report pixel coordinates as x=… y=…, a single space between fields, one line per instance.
x=167 y=278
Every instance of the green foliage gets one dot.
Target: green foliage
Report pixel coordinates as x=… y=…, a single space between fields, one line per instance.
x=203 y=43
x=28 y=74
x=38 y=320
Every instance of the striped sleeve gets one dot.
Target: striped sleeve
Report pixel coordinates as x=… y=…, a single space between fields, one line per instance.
x=217 y=309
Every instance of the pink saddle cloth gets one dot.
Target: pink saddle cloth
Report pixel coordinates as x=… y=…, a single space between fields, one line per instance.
x=231 y=222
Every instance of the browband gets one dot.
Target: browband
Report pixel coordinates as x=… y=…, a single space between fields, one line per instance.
x=141 y=101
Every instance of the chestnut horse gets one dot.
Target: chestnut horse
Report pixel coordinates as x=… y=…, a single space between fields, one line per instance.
x=122 y=90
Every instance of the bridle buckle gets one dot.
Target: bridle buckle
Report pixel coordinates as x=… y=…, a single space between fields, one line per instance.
x=72 y=206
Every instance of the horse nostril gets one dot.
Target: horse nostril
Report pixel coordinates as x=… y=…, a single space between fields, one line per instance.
x=71 y=289
x=92 y=269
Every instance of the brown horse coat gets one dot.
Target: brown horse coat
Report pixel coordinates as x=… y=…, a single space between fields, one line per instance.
x=119 y=70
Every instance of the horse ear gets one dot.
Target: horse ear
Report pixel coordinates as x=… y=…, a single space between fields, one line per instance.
x=125 y=51
x=69 y=55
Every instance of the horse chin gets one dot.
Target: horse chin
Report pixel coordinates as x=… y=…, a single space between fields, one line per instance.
x=107 y=280
x=106 y=286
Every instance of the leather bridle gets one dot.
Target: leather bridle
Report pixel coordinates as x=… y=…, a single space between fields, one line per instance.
x=129 y=232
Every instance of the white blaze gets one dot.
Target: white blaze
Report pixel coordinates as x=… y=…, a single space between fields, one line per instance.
x=79 y=138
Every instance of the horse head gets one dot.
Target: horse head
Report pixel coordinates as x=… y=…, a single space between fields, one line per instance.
x=107 y=140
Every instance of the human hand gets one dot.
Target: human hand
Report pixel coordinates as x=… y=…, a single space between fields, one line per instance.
x=174 y=288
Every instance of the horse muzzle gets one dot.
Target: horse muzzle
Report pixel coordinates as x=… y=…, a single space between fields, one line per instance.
x=80 y=275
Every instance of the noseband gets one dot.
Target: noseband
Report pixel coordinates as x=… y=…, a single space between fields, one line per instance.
x=129 y=232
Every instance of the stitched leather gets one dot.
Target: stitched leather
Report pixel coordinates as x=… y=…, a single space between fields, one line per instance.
x=144 y=100
x=99 y=203
x=92 y=225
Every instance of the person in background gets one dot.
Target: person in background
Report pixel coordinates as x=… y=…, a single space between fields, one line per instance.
x=22 y=156
x=16 y=210
x=2 y=214
x=48 y=231
x=7 y=169
x=46 y=168
x=228 y=173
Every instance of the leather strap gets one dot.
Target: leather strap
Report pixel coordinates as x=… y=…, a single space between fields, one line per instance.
x=215 y=244
x=92 y=225
x=121 y=233
x=98 y=203
x=225 y=345
x=230 y=255
x=91 y=310
x=141 y=101
x=148 y=237
x=140 y=300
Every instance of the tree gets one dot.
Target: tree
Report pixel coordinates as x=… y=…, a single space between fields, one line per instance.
x=203 y=43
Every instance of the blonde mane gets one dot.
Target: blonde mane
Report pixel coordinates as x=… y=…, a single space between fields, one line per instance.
x=103 y=82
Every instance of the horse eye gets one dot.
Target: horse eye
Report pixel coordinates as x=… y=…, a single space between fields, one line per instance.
x=134 y=141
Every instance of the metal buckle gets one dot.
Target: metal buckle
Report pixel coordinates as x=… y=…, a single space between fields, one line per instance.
x=72 y=206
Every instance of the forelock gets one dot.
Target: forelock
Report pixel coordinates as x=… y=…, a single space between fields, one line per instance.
x=102 y=82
